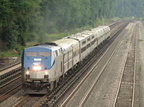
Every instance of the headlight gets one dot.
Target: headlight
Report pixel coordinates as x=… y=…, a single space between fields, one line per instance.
x=46 y=72
x=27 y=73
x=37 y=68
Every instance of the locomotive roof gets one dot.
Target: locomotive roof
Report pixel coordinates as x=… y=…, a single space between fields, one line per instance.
x=52 y=47
x=66 y=43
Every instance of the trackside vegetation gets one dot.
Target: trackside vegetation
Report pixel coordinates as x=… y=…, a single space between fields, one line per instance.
x=24 y=22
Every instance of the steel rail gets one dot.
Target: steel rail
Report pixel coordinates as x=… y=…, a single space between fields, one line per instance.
x=9 y=91
x=10 y=66
x=18 y=104
x=134 y=70
x=135 y=63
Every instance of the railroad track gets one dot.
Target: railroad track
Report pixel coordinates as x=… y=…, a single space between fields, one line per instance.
x=28 y=100
x=10 y=85
x=10 y=66
x=7 y=92
x=9 y=73
x=11 y=81
x=126 y=90
x=56 y=97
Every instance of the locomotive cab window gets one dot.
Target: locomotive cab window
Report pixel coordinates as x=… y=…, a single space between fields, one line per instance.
x=30 y=53
x=44 y=54
x=56 y=53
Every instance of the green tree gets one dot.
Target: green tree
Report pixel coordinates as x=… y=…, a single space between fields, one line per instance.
x=16 y=18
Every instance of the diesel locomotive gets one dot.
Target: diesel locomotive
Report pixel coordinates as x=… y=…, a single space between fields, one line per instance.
x=45 y=65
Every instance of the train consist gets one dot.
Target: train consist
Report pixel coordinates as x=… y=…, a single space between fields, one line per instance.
x=45 y=65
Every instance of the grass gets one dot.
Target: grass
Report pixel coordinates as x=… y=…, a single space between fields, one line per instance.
x=9 y=53
x=140 y=68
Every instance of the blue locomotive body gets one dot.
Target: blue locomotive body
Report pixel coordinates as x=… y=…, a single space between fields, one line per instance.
x=35 y=56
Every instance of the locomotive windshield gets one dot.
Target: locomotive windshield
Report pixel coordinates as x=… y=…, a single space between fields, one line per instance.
x=30 y=53
x=37 y=56
x=45 y=54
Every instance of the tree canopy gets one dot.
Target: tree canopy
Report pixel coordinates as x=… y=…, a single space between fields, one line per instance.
x=21 y=20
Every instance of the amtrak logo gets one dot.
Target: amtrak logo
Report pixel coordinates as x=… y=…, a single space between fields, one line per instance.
x=36 y=63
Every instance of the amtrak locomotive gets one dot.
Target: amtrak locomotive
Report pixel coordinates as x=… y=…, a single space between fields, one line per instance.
x=45 y=65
